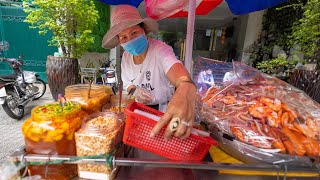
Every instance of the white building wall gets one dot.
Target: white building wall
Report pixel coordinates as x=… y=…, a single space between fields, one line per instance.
x=250 y=30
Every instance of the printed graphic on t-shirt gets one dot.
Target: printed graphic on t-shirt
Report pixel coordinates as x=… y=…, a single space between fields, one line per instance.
x=147 y=86
x=148 y=75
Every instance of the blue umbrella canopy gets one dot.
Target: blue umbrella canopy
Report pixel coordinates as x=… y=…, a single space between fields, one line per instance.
x=239 y=7
x=135 y=3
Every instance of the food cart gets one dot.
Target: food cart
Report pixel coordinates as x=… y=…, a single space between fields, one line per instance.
x=233 y=159
x=134 y=163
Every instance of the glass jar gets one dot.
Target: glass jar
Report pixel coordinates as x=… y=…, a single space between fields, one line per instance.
x=50 y=131
x=91 y=101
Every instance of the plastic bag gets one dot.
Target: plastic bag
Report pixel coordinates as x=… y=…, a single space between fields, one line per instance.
x=265 y=113
x=9 y=171
x=50 y=131
x=143 y=96
x=100 y=135
x=160 y=9
x=91 y=101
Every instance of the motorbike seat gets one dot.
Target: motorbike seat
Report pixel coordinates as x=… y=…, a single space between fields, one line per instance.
x=10 y=77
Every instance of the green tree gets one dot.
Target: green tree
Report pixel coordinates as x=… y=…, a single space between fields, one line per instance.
x=280 y=20
x=307 y=33
x=70 y=21
x=100 y=29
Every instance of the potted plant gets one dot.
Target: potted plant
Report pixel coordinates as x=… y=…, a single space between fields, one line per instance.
x=71 y=23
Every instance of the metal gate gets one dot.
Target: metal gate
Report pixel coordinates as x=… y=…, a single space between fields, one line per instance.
x=23 y=41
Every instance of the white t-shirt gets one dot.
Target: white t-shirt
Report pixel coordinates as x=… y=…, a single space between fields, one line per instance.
x=229 y=76
x=205 y=78
x=151 y=74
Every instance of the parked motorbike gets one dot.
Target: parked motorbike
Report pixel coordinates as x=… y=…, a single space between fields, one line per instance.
x=19 y=89
x=108 y=75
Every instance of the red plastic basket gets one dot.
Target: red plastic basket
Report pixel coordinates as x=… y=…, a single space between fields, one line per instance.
x=137 y=134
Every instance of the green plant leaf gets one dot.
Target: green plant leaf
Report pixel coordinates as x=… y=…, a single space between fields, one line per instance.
x=70 y=21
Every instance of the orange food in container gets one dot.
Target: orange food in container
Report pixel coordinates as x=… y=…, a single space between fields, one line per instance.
x=91 y=101
x=50 y=131
x=114 y=100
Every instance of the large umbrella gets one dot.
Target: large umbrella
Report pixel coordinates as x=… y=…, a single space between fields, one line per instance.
x=203 y=7
x=135 y=3
x=237 y=7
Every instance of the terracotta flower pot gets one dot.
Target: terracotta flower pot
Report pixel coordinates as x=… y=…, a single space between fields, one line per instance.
x=61 y=72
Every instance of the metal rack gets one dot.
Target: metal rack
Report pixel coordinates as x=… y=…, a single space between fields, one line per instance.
x=281 y=170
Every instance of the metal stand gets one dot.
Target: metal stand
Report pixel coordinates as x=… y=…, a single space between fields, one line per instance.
x=19 y=156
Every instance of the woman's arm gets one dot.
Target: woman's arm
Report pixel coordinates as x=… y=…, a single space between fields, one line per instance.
x=181 y=105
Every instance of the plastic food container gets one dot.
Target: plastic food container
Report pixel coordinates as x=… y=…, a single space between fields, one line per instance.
x=137 y=134
x=50 y=131
x=100 y=135
x=91 y=101
x=114 y=100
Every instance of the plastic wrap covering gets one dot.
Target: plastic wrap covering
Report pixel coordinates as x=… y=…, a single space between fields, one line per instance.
x=91 y=101
x=160 y=9
x=116 y=110
x=264 y=113
x=100 y=135
x=114 y=100
x=9 y=171
x=50 y=130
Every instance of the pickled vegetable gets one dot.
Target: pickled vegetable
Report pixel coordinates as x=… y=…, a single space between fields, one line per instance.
x=50 y=131
x=51 y=123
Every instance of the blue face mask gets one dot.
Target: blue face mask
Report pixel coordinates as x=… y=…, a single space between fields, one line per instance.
x=137 y=45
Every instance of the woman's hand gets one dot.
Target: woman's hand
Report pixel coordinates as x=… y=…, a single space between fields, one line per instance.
x=143 y=96
x=181 y=106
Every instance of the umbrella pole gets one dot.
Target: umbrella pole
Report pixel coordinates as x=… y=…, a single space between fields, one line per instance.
x=190 y=31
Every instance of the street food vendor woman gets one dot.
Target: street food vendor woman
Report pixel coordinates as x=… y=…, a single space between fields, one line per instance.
x=150 y=66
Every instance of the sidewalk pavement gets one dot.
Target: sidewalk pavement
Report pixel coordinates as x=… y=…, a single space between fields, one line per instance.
x=11 y=137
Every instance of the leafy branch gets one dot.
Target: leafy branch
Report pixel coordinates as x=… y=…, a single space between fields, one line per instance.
x=70 y=21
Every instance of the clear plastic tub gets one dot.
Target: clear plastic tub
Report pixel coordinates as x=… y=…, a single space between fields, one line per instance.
x=114 y=100
x=91 y=101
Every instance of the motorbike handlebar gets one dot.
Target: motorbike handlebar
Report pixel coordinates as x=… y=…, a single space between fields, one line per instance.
x=12 y=61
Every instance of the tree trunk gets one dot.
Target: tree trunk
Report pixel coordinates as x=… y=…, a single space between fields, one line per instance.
x=61 y=72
